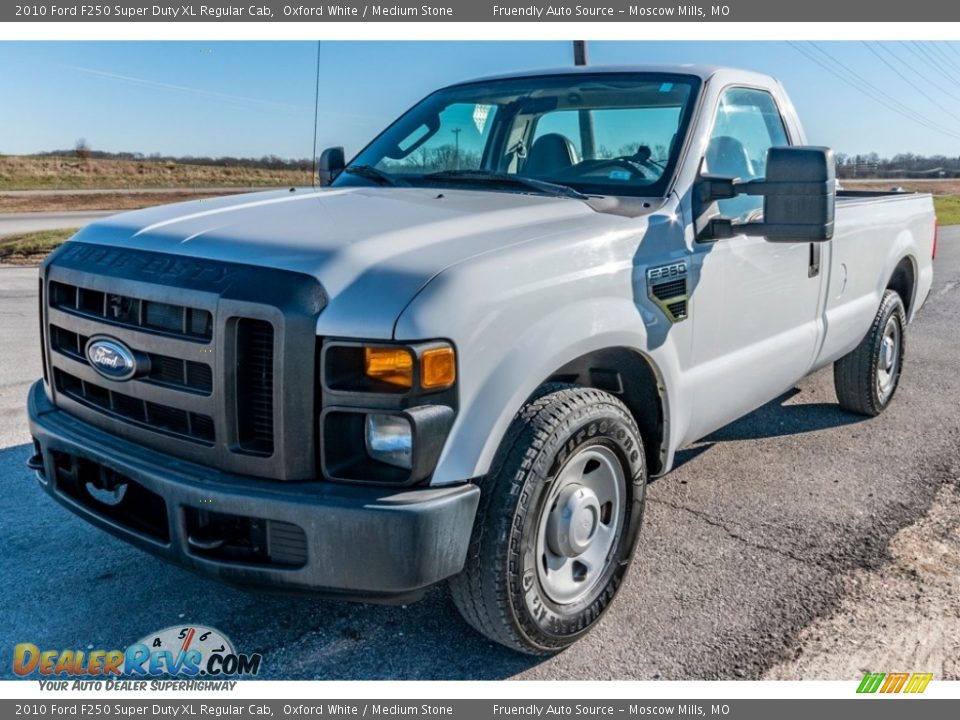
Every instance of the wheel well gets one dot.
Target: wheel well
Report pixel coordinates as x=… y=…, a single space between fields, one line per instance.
x=627 y=375
x=902 y=281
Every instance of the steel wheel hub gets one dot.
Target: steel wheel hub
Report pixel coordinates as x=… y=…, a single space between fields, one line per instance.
x=887 y=353
x=887 y=363
x=572 y=524
x=580 y=523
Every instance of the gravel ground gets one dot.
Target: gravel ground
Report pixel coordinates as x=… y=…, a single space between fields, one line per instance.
x=901 y=617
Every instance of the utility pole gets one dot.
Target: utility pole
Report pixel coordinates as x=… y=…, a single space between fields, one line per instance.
x=456 y=133
x=587 y=137
x=579 y=52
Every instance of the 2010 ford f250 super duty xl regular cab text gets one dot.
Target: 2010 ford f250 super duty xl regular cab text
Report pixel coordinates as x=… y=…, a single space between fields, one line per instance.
x=464 y=354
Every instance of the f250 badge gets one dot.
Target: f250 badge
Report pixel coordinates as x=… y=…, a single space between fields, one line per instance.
x=111 y=358
x=667 y=288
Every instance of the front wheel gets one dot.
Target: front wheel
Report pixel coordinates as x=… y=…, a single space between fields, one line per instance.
x=867 y=377
x=557 y=522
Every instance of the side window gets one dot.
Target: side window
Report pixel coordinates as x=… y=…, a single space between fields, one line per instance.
x=748 y=124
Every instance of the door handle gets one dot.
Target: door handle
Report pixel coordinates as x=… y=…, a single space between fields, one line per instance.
x=813 y=268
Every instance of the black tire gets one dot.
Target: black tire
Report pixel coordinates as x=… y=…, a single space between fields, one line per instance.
x=499 y=591
x=859 y=376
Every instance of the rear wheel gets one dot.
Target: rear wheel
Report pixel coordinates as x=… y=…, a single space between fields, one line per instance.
x=867 y=378
x=557 y=523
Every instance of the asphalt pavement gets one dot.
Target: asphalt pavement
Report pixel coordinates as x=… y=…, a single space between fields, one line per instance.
x=743 y=545
x=15 y=223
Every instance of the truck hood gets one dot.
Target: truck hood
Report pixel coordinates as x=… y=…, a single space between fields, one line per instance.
x=372 y=249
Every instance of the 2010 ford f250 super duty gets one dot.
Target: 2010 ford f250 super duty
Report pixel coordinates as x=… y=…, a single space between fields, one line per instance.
x=464 y=354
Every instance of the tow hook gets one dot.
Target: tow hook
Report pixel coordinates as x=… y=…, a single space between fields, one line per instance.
x=36 y=463
x=211 y=538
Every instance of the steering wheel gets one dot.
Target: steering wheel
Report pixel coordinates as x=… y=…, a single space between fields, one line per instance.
x=587 y=167
x=644 y=156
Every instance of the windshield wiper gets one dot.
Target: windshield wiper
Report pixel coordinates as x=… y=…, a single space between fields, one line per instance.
x=371 y=173
x=486 y=176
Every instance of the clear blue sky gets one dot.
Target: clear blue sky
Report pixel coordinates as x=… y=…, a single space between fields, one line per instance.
x=256 y=98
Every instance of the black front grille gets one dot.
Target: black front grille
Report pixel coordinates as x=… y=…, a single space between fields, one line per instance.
x=225 y=355
x=195 y=427
x=164 y=370
x=126 y=311
x=255 y=386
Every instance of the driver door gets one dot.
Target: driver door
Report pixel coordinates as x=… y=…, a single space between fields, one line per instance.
x=755 y=305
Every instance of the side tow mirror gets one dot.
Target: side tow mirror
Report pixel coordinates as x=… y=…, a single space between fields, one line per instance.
x=799 y=197
x=330 y=164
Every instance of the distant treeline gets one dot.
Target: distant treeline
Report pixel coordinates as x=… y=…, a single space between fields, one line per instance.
x=903 y=165
x=268 y=162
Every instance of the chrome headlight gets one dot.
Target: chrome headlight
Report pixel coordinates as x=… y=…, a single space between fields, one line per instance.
x=389 y=439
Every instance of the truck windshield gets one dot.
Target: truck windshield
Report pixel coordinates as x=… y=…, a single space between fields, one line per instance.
x=590 y=133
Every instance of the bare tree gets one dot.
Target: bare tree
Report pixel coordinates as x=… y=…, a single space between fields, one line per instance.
x=82 y=149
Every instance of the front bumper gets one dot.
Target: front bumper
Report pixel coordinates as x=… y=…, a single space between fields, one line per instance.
x=359 y=542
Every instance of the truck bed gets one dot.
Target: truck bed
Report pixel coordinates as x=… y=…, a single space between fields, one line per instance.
x=850 y=196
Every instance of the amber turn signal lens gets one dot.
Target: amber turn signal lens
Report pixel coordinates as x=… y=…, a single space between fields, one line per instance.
x=438 y=368
x=389 y=365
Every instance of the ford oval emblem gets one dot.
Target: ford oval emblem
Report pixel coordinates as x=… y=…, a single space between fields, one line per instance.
x=111 y=358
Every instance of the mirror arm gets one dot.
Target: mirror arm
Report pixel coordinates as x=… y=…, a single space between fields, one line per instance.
x=721 y=228
x=718 y=187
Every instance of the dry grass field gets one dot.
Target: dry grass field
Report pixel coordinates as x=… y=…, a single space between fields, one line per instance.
x=946 y=193
x=22 y=172
x=31 y=248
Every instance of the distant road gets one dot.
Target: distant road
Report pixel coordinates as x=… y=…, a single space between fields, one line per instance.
x=896 y=180
x=15 y=223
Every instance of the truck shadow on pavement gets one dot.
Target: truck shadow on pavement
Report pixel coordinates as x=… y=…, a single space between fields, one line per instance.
x=777 y=418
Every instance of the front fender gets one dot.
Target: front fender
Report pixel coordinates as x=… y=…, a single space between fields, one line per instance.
x=502 y=364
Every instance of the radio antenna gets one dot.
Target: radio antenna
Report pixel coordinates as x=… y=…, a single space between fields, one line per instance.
x=316 y=111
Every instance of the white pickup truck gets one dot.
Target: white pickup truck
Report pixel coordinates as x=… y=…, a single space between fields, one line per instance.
x=463 y=355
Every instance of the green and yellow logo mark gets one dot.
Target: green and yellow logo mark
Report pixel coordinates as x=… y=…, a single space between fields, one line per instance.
x=894 y=682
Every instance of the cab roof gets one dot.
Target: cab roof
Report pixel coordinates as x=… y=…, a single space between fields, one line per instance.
x=703 y=72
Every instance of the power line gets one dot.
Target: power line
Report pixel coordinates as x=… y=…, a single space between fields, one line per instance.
x=925 y=58
x=928 y=53
x=902 y=60
x=910 y=82
x=881 y=95
x=950 y=62
x=904 y=109
x=878 y=98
